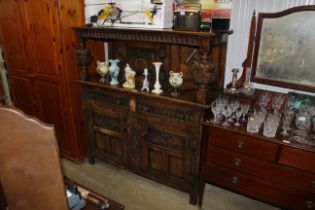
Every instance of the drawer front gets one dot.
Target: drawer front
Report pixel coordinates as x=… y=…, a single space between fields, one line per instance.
x=243 y=144
x=259 y=188
x=173 y=112
x=99 y=97
x=297 y=158
x=274 y=172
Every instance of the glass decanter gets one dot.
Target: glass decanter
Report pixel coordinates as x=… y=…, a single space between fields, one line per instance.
x=233 y=89
x=248 y=87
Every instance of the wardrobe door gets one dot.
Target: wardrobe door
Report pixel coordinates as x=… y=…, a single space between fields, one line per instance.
x=50 y=82
x=16 y=49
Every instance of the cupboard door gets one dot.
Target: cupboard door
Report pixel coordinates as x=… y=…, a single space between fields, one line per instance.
x=51 y=101
x=14 y=35
x=108 y=131
x=22 y=94
x=43 y=22
x=166 y=153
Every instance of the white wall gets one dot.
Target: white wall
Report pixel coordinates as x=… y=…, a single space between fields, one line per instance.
x=242 y=11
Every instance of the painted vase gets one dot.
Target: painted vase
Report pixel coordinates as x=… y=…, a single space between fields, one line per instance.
x=114 y=71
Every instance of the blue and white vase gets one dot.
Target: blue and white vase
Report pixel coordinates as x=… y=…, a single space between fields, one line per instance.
x=114 y=71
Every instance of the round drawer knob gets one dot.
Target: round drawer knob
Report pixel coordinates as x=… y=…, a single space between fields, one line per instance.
x=309 y=205
x=240 y=144
x=234 y=180
x=237 y=161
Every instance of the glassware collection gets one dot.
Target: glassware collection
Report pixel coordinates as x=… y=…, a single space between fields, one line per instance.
x=233 y=111
x=296 y=121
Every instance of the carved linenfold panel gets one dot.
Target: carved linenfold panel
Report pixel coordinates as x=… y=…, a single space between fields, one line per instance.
x=103 y=98
x=159 y=36
x=108 y=122
x=166 y=140
x=172 y=113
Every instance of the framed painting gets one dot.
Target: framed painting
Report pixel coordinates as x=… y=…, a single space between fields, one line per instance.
x=284 y=52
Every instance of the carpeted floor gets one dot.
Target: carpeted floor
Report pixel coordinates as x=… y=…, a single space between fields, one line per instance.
x=138 y=193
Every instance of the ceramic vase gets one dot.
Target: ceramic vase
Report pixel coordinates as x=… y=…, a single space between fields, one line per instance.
x=175 y=80
x=114 y=71
x=102 y=69
x=157 y=86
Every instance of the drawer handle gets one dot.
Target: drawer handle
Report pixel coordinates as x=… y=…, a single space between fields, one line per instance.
x=309 y=205
x=240 y=144
x=237 y=161
x=313 y=184
x=234 y=180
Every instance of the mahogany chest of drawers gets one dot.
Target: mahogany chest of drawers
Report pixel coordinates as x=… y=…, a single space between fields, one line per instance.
x=265 y=169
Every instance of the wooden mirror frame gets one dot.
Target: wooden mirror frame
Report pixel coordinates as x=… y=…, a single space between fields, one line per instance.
x=271 y=80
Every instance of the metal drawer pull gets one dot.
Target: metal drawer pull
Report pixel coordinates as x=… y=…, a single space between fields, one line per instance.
x=313 y=184
x=234 y=180
x=309 y=205
x=237 y=161
x=240 y=144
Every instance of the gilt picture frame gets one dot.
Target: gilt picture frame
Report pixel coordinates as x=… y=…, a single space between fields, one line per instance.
x=284 y=52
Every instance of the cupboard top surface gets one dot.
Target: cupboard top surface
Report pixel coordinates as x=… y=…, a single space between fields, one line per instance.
x=186 y=97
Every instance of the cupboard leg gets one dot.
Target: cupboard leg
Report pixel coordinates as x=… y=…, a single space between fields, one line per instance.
x=193 y=198
x=91 y=160
x=201 y=192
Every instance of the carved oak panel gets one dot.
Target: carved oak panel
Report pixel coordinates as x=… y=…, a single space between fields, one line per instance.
x=108 y=122
x=173 y=113
x=100 y=96
x=166 y=140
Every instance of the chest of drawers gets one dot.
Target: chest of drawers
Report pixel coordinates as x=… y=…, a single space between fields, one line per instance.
x=265 y=169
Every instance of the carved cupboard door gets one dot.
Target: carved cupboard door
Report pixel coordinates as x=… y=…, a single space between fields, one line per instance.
x=166 y=153
x=108 y=135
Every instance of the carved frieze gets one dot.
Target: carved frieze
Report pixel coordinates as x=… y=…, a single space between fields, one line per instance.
x=167 y=112
x=158 y=36
x=166 y=140
x=101 y=97
x=108 y=122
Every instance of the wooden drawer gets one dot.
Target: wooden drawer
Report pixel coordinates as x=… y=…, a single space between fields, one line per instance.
x=259 y=188
x=297 y=158
x=243 y=144
x=99 y=97
x=270 y=171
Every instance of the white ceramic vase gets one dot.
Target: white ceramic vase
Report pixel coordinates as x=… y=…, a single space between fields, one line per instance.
x=157 y=86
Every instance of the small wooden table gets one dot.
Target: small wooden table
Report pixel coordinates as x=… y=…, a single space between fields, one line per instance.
x=90 y=205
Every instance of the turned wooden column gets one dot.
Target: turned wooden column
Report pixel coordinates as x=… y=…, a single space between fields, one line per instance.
x=83 y=56
x=204 y=70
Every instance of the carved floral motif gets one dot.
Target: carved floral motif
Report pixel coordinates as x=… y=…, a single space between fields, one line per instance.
x=107 y=122
x=166 y=140
x=103 y=98
x=172 y=113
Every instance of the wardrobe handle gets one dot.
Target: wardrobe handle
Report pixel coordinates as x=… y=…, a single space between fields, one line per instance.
x=237 y=161
x=313 y=184
x=234 y=180
x=309 y=205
